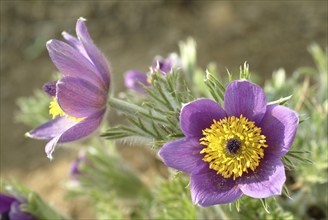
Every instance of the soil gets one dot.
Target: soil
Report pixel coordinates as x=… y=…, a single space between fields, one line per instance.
x=268 y=34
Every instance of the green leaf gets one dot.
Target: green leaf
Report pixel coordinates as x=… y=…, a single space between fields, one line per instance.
x=33 y=110
x=172 y=200
x=215 y=87
x=244 y=71
x=157 y=117
x=281 y=101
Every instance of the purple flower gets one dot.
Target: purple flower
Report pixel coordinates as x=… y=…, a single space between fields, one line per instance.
x=166 y=65
x=233 y=151
x=75 y=170
x=134 y=79
x=10 y=209
x=80 y=96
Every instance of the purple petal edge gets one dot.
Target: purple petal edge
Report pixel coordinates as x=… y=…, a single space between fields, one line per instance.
x=73 y=41
x=184 y=155
x=71 y=62
x=133 y=80
x=16 y=213
x=209 y=189
x=279 y=125
x=267 y=180
x=245 y=98
x=79 y=131
x=93 y=52
x=199 y=114
x=5 y=202
x=51 y=128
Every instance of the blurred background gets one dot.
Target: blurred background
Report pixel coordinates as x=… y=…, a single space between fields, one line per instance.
x=268 y=35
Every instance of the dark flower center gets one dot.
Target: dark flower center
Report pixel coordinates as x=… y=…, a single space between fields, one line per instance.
x=50 y=88
x=233 y=145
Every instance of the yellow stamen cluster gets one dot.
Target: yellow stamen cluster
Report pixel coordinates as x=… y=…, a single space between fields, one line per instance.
x=55 y=110
x=229 y=163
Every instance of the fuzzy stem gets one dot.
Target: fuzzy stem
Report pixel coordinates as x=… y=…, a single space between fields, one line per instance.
x=126 y=107
x=133 y=110
x=221 y=213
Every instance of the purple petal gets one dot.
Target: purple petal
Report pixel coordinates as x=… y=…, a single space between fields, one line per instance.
x=210 y=189
x=163 y=65
x=75 y=166
x=134 y=79
x=73 y=41
x=166 y=65
x=198 y=115
x=279 y=125
x=51 y=128
x=71 y=62
x=98 y=59
x=77 y=132
x=267 y=180
x=184 y=154
x=245 y=98
x=79 y=98
x=5 y=202
x=15 y=213
x=84 y=128
x=51 y=146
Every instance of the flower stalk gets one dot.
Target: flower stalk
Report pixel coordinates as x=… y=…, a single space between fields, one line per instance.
x=133 y=109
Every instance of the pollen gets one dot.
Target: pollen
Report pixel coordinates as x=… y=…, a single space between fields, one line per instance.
x=233 y=146
x=55 y=110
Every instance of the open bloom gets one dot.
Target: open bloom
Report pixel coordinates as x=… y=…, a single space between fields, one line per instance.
x=10 y=209
x=80 y=96
x=134 y=79
x=233 y=151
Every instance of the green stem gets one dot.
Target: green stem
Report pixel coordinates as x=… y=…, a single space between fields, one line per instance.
x=126 y=107
x=133 y=110
x=221 y=213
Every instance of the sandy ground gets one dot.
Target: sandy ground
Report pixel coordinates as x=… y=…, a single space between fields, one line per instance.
x=268 y=35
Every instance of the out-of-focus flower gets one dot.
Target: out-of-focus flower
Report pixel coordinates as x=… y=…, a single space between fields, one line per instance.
x=134 y=79
x=75 y=170
x=10 y=209
x=233 y=151
x=166 y=65
x=80 y=96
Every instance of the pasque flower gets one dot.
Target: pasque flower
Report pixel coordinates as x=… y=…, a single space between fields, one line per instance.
x=233 y=151
x=75 y=170
x=134 y=79
x=10 y=208
x=80 y=96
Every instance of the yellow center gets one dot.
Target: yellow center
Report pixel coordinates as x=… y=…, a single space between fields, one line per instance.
x=247 y=155
x=55 y=110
